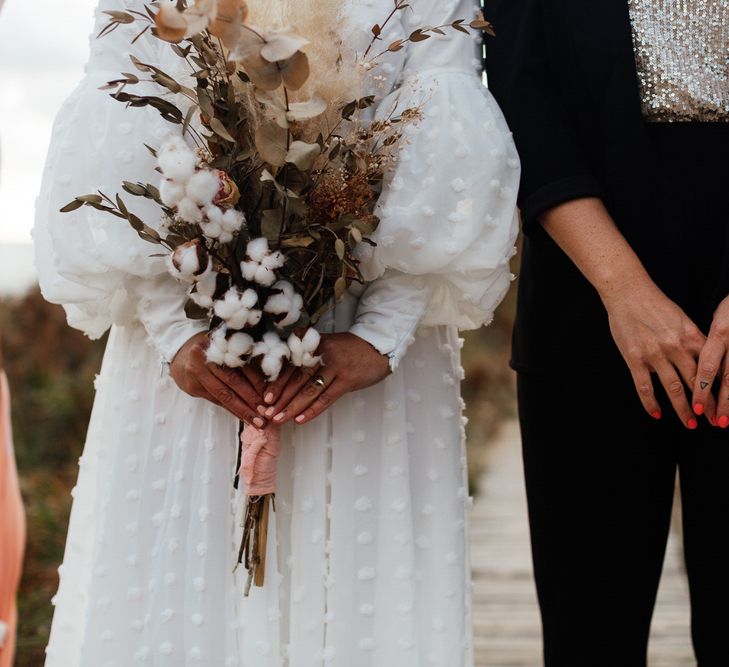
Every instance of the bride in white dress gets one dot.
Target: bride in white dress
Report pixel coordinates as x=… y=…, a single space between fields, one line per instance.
x=368 y=551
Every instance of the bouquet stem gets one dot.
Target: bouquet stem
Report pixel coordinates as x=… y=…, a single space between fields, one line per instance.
x=260 y=449
x=252 y=553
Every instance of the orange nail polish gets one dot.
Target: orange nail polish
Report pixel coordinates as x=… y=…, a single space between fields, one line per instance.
x=692 y=424
x=724 y=421
x=699 y=409
x=656 y=414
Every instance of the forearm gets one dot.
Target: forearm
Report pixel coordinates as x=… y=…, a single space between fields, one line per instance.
x=586 y=232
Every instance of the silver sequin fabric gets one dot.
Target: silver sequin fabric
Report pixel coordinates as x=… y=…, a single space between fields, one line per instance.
x=682 y=57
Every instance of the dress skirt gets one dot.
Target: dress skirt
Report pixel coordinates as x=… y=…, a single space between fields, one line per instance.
x=368 y=560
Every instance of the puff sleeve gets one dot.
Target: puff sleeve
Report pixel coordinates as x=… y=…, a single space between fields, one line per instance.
x=448 y=212
x=90 y=262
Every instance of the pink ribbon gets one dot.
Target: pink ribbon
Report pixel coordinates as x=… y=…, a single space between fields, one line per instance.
x=261 y=449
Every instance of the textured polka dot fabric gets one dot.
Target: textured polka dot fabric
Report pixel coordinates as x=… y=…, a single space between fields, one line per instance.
x=367 y=552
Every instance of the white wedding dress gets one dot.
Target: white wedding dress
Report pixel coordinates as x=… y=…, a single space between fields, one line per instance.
x=368 y=560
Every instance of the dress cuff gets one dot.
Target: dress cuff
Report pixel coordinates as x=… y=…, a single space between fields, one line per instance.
x=160 y=307
x=389 y=313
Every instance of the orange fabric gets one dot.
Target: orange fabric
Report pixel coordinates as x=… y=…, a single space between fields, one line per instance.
x=12 y=528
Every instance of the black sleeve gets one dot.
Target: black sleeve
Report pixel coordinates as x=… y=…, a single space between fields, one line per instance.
x=554 y=168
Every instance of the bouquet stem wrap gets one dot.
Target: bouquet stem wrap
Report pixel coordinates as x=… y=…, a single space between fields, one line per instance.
x=261 y=449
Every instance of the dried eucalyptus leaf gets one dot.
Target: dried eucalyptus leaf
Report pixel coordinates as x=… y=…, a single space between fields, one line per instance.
x=282 y=45
x=303 y=155
x=135 y=189
x=340 y=287
x=340 y=248
x=120 y=17
x=72 y=206
x=303 y=242
x=217 y=126
x=295 y=71
x=271 y=224
x=90 y=199
x=271 y=144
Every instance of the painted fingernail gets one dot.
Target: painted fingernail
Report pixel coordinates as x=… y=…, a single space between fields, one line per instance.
x=723 y=421
x=300 y=419
x=269 y=412
x=268 y=397
x=699 y=409
x=279 y=417
x=259 y=422
x=656 y=414
x=692 y=424
x=261 y=410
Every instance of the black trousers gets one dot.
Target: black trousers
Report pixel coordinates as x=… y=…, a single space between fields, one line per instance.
x=600 y=477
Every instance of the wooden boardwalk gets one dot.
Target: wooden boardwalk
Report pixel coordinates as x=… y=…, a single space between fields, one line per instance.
x=506 y=618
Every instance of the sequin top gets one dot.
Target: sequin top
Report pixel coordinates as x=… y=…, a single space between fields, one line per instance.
x=682 y=57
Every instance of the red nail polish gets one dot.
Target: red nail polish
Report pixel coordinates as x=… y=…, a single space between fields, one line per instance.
x=699 y=409
x=692 y=424
x=724 y=421
x=656 y=414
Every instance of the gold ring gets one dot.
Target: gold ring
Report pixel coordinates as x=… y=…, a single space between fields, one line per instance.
x=319 y=381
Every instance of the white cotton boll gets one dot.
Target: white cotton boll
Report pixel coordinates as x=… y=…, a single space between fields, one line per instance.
x=311 y=340
x=205 y=289
x=257 y=249
x=232 y=220
x=240 y=344
x=171 y=192
x=176 y=160
x=189 y=211
x=214 y=214
x=202 y=187
x=273 y=261
x=217 y=347
x=261 y=264
x=272 y=351
x=285 y=302
x=188 y=261
x=213 y=230
x=237 y=309
x=303 y=349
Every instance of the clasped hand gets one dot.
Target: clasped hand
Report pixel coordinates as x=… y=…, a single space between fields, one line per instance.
x=654 y=335
x=349 y=363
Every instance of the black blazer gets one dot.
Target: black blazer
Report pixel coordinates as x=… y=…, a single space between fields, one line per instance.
x=564 y=74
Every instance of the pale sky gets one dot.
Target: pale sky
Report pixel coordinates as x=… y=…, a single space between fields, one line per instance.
x=43 y=48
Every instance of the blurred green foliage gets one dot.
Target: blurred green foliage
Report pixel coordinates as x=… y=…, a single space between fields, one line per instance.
x=51 y=369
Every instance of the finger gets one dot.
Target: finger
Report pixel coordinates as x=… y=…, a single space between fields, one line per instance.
x=722 y=409
x=234 y=379
x=644 y=387
x=676 y=391
x=709 y=366
x=322 y=403
x=303 y=398
x=298 y=380
x=256 y=379
x=228 y=399
x=274 y=389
